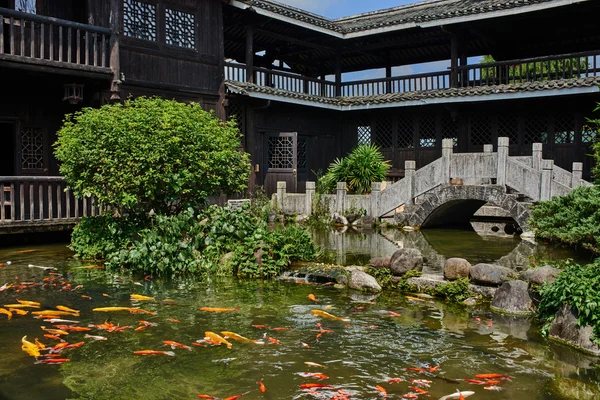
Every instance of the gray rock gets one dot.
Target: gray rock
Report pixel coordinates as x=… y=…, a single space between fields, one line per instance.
x=338 y=219
x=365 y=222
x=351 y=268
x=272 y=217
x=364 y=282
x=564 y=329
x=405 y=260
x=513 y=298
x=456 y=268
x=380 y=262
x=545 y=274
x=471 y=301
x=362 y=297
x=352 y=217
x=490 y=274
x=301 y=219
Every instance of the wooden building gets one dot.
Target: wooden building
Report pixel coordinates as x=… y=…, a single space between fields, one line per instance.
x=279 y=71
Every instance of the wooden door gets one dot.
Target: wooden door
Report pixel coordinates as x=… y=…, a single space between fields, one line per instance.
x=281 y=161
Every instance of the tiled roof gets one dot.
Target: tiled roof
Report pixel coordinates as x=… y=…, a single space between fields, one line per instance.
x=245 y=88
x=421 y=12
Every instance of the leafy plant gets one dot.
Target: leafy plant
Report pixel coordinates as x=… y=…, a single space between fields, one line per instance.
x=455 y=291
x=365 y=164
x=579 y=287
x=404 y=286
x=383 y=276
x=150 y=154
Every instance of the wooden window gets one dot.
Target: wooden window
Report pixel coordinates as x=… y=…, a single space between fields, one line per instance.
x=564 y=129
x=383 y=132
x=450 y=129
x=427 y=131
x=180 y=29
x=301 y=152
x=364 y=132
x=588 y=134
x=536 y=129
x=281 y=152
x=32 y=148
x=405 y=131
x=508 y=126
x=481 y=130
x=139 y=20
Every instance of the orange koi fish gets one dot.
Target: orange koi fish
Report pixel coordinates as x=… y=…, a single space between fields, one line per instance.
x=261 y=386
x=434 y=369
x=206 y=396
x=5 y=311
x=53 y=361
x=55 y=331
x=475 y=381
x=153 y=353
x=312 y=364
x=146 y=323
x=394 y=314
x=306 y=346
x=74 y=328
x=53 y=313
x=29 y=303
x=395 y=380
x=63 y=308
x=216 y=338
x=139 y=297
x=58 y=348
x=175 y=345
x=315 y=386
x=49 y=336
x=237 y=396
x=30 y=348
x=260 y=326
x=414 y=298
x=83 y=296
x=418 y=390
x=381 y=390
x=489 y=376
x=492 y=382
x=175 y=321
x=74 y=345
x=314 y=375
x=283 y=329
x=272 y=340
x=140 y=328
x=17 y=311
x=489 y=324
x=218 y=310
x=240 y=338
x=312 y=297
x=323 y=314
x=421 y=382
x=20 y=306
x=105 y=294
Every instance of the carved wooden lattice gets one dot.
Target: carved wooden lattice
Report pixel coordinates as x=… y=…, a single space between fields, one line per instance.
x=508 y=126
x=301 y=152
x=281 y=152
x=405 y=131
x=588 y=134
x=427 y=136
x=564 y=129
x=139 y=20
x=363 y=132
x=536 y=129
x=383 y=133
x=481 y=130
x=236 y=110
x=450 y=129
x=180 y=29
x=32 y=148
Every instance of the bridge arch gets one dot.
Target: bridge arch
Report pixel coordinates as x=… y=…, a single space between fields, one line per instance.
x=456 y=204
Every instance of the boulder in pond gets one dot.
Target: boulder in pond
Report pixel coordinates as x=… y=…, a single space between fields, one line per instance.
x=490 y=274
x=456 y=268
x=338 y=219
x=405 y=260
x=364 y=282
x=513 y=298
x=365 y=222
x=539 y=276
x=380 y=262
x=564 y=329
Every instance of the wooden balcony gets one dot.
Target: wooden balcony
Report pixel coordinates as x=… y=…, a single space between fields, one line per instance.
x=37 y=203
x=559 y=71
x=44 y=43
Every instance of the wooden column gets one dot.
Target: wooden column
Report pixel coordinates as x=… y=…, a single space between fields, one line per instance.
x=464 y=75
x=388 y=74
x=250 y=54
x=338 y=74
x=454 y=61
x=115 y=64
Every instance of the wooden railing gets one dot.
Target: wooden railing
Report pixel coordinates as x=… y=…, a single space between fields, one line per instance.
x=565 y=66
x=51 y=41
x=41 y=199
x=398 y=84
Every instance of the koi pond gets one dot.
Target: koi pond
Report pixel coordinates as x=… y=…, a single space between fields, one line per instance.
x=385 y=342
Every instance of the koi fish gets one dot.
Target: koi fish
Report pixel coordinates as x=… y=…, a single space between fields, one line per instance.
x=410 y=396
x=314 y=375
x=206 y=396
x=20 y=306
x=140 y=328
x=175 y=345
x=306 y=346
x=216 y=338
x=418 y=390
x=494 y=387
x=29 y=303
x=105 y=295
x=53 y=313
x=434 y=369
x=74 y=328
x=139 y=297
x=111 y=309
x=86 y=336
x=381 y=390
x=218 y=310
x=146 y=323
x=83 y=296
x=55 y=331
x=312 y=364
x=59 y=347
x=416 y=369
x=136 y=310
x=414 y=299
x=53 y=361
x=63 y=308
x=261 y=386
x=492 y=382
x=489 y=324
x=394 y=314
x=237 y=396
x=457 y=395
x=312 y=297
x=260 y=326
x=421 y=382
x=49 y=336
x=323 y=314
x=283 y=329
x=475 y=381
x=489 y=376
x=39 y=344
x=61 y=321
x=74 y=345
x=395 y=380
x=5 y=311
x=4 y=287
x=153 y=353
x=40 y=267
x=235 y=336
x=30 y=348
x=24 y=251
x=175 y=321
x=138 y=284
x=315 y=386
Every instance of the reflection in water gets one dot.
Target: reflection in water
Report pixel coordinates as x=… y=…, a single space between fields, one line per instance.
x=348 y=247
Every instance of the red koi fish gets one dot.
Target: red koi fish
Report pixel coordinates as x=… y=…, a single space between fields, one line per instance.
x=283 y=329
x=475 y=381
x=53 y=361
x=75 y=345
x=206 y=396
x=381 y=390
x=261 y=386
x=237 y=396
x=315 y=386
x=395 y=380
x=153 y=352
x=314 y=375
x=176 y=345
x=416 y=369
x=410 y=396
x=434 y=369
x=489 y=376
x=260 y=326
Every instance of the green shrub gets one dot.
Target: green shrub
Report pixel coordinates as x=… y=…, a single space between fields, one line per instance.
x=365 y=164
x=455 y=291
x=150 y=154
x=579 y=287
x=573 y=219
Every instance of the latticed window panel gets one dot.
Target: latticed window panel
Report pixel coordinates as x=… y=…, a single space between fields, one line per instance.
x=450 y=129
x=481 y=130
x=236 y=111
x=139 y=20
x=536 y=129
x=508 y=126
x=588 y=134
x=32 y=148
x=427 y=134
x=564 y=129
x=301 y=152
x=363 y=132
x=383 y=133
x=405 y=131
x=281 y=152
x=180 y=29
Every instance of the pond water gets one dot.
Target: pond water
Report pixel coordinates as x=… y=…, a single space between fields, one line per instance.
x=371 y=349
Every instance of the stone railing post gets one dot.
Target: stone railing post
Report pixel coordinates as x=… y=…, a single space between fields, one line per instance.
x=281 y=190
x=409 y=174
x=503 y=143
x=308 y=197
x=577 y=174
x=536 y=159
x=447 y=150
x=340 y=197
x=546 y=181
x=488 y=148
x=375 y=194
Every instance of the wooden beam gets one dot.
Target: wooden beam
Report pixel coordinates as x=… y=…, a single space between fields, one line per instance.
x=454 y=61
x=250 y=53
x=289 y=39
x=114 y=61
x=338 y=74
